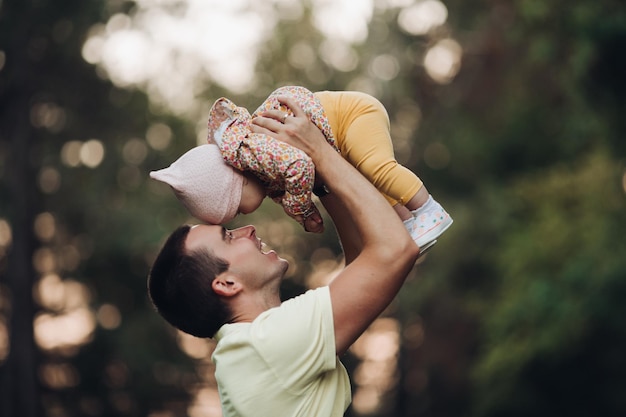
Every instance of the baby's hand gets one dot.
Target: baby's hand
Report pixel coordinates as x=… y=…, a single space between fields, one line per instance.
x=314 y=223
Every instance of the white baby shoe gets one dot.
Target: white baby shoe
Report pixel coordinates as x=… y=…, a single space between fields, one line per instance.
x=428 y=223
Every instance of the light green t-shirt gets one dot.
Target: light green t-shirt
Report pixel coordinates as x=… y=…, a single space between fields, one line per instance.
x=283 y=363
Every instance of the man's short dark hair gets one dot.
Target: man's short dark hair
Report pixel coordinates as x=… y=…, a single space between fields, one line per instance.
x=180 y=288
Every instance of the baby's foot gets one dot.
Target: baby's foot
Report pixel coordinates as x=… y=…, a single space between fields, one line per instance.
x=428 y=222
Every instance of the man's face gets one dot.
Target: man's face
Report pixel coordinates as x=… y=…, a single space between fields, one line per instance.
x=242 y=249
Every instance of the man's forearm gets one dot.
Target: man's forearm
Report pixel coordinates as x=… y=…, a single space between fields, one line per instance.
x=349 y=236
x=364 y=204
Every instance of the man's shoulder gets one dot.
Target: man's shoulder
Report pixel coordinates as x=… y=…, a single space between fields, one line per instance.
x=308 y=296
x=295 y=313
x=292 y=309
x=307 y=303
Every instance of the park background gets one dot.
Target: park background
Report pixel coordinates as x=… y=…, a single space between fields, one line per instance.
x=512 y=112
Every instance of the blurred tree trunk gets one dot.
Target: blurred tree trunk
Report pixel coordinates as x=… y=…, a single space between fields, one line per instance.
x=19 y=391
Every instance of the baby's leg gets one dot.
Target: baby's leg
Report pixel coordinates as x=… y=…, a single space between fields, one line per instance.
x=367 y=145
x=418 y=200
x=403 y=212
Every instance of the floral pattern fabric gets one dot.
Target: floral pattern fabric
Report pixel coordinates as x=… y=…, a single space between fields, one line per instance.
x=287 y=172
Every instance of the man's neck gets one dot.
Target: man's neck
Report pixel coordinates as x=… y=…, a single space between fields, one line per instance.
x=248 y=307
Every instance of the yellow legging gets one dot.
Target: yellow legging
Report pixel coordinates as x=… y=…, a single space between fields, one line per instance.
x=361 y=127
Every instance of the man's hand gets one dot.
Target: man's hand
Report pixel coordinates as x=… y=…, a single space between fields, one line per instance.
x=296 y=130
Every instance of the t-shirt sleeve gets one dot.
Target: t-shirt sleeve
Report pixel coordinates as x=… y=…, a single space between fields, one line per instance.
x=297 y=339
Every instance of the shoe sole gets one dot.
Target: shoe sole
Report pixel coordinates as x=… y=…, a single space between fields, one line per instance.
x=426 y=247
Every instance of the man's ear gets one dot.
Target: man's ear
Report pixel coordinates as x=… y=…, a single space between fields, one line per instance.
x=226 y=285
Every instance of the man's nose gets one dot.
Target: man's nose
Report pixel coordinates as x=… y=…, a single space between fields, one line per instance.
x=245 y=231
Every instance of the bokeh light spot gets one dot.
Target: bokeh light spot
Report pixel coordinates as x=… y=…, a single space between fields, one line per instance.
x=159 y=136
x=45 y=226
x=339 y=55
x=4 y=332
x=92 y=49
x=44 y=260
x=421 y=17
x=134 y=151
x=59 y=375
x=49 y=180
x=193 y=346
x=70 y=153
x=47 y=115
x=6 y=235
x=50 y=292
x=92 y=153
x=378 y=349
x=385 y=67
x=301 y=55
x=109 y=316
x=443 y=61
x=74 y=328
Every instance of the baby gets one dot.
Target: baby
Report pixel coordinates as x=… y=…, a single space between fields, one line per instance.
x=237 y=169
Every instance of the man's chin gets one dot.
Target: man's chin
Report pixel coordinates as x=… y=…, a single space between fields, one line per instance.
x=285 y=265
x=271 y=254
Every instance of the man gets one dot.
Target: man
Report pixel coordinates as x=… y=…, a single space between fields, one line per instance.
x=281 y=359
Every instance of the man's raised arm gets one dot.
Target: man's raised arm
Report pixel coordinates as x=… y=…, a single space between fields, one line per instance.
x=379 y=251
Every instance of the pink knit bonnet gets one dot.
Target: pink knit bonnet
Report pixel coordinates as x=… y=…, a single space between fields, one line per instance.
x=208 y=187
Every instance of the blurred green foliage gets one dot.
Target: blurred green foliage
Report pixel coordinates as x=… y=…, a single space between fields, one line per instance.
x=521 y=302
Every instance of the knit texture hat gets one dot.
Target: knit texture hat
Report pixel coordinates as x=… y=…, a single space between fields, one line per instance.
x=208 y=187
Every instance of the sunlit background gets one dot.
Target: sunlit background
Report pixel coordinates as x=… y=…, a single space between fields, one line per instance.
x=171 y=50
x=492 y=308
